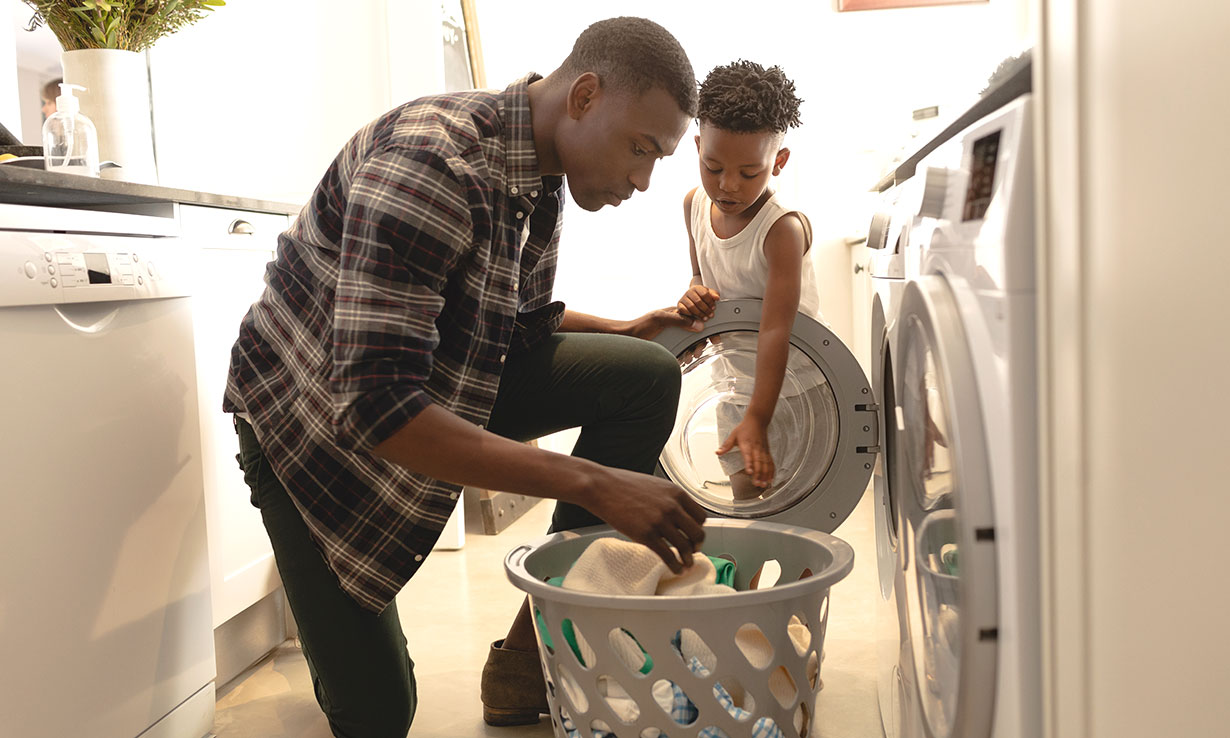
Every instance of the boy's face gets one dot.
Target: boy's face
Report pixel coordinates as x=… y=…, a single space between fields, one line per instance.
x=611 y=140
x=735 y=167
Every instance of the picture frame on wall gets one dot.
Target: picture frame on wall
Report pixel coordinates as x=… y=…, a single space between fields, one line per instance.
x=847 y=5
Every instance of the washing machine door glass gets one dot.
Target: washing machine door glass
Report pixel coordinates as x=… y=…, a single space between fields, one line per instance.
x=944 y=495
x=719 y=374
x=823 y=434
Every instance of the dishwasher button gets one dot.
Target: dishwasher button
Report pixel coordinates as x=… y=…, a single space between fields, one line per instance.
x=31 y=270
x=51 y=268
x=55 y=282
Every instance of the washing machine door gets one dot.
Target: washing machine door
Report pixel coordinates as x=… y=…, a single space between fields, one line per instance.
x=947 y=528
x=823 y=435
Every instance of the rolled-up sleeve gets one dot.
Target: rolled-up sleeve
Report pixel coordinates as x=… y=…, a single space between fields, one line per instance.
x=406 y=225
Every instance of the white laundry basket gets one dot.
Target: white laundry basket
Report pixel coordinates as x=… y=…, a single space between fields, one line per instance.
x=762 y=648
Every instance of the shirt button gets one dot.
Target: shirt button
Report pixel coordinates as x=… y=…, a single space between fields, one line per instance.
x=514 y=189
x=534 y=193
x=452 y=495
x=520 y=215
x=503 y=357
x=516 y=286
x=418 y=557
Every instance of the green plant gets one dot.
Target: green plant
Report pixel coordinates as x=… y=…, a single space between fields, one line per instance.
x=131 y=25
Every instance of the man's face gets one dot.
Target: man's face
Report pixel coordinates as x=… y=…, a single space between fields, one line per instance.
x=612 y=139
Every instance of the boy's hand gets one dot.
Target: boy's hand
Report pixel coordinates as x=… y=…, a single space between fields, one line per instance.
x=698 y=302
x=752 y=438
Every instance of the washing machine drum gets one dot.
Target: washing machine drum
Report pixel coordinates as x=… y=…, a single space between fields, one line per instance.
x=823 y=434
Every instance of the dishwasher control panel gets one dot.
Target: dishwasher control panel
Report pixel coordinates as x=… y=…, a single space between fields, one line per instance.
x=51 y=268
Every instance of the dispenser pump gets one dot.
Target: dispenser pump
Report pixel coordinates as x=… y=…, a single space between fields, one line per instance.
x=66 y=102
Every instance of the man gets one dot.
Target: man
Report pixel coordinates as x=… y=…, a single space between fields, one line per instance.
x=407 y=341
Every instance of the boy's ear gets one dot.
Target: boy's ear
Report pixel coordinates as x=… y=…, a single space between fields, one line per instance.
x=584 y=91
x=779 y=162
x=698 y=143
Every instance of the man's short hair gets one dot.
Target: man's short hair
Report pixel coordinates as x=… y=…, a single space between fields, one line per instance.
x=636 y=55
x=744 y=97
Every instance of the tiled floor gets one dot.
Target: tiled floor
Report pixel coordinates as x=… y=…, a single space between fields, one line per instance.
x=460 y=601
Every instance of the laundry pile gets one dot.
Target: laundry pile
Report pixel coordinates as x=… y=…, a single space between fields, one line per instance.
x=612 y=566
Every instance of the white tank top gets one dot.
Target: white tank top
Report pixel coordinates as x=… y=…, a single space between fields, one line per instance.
x=736 y=267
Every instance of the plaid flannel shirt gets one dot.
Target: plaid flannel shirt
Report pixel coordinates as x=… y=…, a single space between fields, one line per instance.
x=426 y=254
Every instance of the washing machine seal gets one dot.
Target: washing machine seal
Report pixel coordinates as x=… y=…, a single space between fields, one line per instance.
x=826 y=439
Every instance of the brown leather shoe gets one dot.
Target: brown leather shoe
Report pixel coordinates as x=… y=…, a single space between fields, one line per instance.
x=513 y=689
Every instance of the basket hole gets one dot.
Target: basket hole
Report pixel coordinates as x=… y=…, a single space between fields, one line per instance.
x=731 y=695
x=572 y=689
x=694 y=652
x=714 y=732
x=804 y=574
x=618 y=699
x=800 y=634
x=755 y=646
x=630 y=652
x=544 y=633
x=781 y=684
x=675 y=702
x=653 y=733
x=766 y=576
x=766 y=726
x=600 y=729
x=813 y=671
x=580 y=647
x=802 y=719
x=824 y=612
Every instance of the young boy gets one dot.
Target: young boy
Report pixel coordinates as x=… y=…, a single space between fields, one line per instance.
x=746 y=244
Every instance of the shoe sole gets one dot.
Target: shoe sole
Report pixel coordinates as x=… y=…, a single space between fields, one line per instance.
x=500 y=717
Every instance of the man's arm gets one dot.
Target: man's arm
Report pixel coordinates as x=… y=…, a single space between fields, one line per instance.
x=647 y=326
x=649 y=510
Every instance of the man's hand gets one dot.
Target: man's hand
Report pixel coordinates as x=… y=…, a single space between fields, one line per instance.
x=698 y=302
x=752 y=438
x=649 y=325
x=649 y=510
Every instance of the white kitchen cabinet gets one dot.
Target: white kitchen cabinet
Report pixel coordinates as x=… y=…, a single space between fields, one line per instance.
x=232 y=249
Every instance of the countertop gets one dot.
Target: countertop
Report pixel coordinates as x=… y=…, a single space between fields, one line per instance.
x=25 y=186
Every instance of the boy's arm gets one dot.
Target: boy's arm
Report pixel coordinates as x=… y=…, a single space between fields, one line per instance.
x=784 y=247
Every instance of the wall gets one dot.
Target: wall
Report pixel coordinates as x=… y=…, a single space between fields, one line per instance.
x=259 y=98
x=10 y=113
x=860 y=75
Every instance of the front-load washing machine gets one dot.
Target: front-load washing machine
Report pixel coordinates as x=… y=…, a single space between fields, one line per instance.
x=966 y=426
x=824 y=434
x=893 y=237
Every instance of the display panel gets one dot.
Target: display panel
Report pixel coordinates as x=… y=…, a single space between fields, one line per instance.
x=97 y=268
x=981 y=177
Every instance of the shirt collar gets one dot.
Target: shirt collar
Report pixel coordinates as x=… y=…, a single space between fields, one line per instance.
x=522 y=176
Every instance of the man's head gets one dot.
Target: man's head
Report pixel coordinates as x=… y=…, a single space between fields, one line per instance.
x=629 y=93
x=743 y=113
x=51 y=91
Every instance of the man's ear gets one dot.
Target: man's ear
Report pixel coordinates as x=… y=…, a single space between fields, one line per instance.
x=585 y=90
x=779 y=162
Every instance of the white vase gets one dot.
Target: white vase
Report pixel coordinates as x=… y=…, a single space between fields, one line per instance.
x=117 y=100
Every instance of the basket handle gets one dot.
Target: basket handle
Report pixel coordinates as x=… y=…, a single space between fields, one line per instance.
x=518 y=554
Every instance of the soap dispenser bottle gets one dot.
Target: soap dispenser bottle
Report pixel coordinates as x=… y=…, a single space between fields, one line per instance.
x=70 y=141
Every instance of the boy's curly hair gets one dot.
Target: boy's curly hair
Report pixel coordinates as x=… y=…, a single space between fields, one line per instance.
x=744 y=97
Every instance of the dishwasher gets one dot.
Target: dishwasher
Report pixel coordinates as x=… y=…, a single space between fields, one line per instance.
x=105 y=625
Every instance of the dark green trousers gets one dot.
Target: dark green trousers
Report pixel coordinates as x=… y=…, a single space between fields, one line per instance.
x=622 y=392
